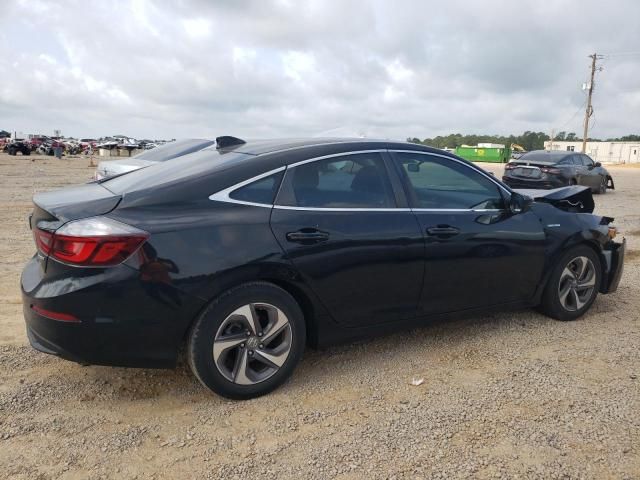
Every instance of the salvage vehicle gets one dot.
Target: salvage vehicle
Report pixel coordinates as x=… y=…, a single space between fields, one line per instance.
x=245 y=253
x=16 y=147
x=179 y=148
x=553 y=169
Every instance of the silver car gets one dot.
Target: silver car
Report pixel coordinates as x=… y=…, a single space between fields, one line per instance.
x=110 y=168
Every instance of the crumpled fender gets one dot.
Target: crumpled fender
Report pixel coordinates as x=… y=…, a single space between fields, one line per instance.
x=575 y=199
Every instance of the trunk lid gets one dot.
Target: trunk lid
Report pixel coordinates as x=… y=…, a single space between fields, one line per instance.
x=53 y=209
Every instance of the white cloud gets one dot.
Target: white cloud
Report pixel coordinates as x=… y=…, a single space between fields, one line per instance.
x=198 y=28
x=148 y=68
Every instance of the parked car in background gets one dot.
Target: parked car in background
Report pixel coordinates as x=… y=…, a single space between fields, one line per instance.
x=246 y=252
x=110 y=168
x=20 y=146
x=552 y=169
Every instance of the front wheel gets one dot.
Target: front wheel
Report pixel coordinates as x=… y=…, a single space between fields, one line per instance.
x=573 y=285
x=248 y=341
x=602 y=188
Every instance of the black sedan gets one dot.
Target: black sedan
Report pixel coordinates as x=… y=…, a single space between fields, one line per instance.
x=244 y=253
x=553 y=169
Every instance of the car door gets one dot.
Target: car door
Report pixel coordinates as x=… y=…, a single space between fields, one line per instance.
x=337 y=219
x=477 y=253
x=582 y=172
x=591 y=174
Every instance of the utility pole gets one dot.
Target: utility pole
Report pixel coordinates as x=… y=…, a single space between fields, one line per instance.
x=589 y=111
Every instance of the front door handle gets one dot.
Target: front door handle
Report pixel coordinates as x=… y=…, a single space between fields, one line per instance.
x=443 y=231
x=308 y=236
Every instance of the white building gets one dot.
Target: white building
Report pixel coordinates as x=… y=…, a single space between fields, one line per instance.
x=604 y=152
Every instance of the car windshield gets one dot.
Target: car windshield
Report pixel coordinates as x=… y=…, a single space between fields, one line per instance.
x=542 y=156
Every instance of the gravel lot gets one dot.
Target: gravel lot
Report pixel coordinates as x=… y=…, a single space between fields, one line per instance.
x=513 y=395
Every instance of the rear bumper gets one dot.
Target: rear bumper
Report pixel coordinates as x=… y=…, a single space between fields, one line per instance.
x=614 y=257
x=117 y=319
x=544 y=184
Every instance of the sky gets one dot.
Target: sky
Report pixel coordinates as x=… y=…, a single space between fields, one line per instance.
x=260 y=69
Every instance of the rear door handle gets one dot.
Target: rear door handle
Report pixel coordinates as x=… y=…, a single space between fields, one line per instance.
x=443 y=231
x=308 y=236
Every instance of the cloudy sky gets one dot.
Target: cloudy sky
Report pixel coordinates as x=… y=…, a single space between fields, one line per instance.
x=392 y=69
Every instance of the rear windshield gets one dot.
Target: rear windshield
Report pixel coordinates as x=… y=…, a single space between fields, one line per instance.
x=174 y=149
x=174 y=170
x=542 y=157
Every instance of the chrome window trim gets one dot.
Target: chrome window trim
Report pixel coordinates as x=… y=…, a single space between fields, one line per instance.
x=332 y=155
x=341 y=209
x=478 y=210
x=223 y=195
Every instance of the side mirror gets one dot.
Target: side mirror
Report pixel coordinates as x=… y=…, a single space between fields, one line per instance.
x=598 y=164
x=413 y=167
x=518 y=203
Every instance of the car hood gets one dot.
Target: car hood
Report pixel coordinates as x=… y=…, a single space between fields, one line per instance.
x=575 y=198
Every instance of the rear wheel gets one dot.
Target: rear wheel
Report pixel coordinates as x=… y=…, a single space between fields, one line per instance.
x=573 y=285
x=248 y=341
x=573 y=181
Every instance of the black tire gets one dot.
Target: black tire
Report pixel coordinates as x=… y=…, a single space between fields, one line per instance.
x=200 y=346
x=26 y=151
x=12 y=151
x=573 y=181
x=551 y=304
x=602 y=188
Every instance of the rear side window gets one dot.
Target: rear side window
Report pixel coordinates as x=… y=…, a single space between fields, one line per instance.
x=261 y=191
x=349 y=181
x=439 y=183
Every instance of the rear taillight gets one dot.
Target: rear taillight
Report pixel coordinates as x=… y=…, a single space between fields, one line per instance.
x=509 y=166
x=94 y=242
x=553 y=171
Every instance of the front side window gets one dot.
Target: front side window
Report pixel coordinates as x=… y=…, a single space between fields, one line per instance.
x=439 y=183
x=349 y=181
x=586 y=161
x=261 y=191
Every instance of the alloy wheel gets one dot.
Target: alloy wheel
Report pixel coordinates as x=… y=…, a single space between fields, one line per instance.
x=252 y=343
x=577 y=283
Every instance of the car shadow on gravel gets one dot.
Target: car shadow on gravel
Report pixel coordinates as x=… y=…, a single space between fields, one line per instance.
x=333 y=365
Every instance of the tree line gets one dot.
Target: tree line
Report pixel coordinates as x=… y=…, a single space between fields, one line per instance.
x=528 y=140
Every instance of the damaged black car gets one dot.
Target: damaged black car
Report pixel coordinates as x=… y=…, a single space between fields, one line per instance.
x=544 y=169
x=244 y=253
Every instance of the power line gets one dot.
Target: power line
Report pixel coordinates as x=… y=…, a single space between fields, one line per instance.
x=620 y=54
x=574 y=115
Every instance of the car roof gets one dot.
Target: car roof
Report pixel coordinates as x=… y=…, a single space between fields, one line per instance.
x=264 y=146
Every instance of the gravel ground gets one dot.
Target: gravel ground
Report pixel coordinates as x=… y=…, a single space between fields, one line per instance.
x=511 y=395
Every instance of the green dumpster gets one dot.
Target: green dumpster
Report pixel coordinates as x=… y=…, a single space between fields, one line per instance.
x=484 y=154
